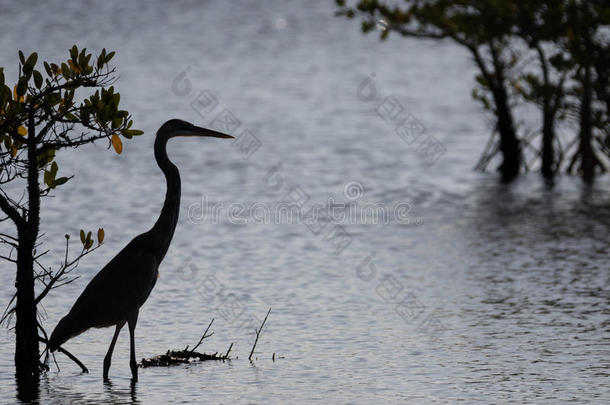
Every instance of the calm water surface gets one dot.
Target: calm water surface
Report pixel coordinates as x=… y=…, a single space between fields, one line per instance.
x=471 y=292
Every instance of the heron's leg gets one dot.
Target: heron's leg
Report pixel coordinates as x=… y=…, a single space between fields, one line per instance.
x=132 y=319
x=108 y=357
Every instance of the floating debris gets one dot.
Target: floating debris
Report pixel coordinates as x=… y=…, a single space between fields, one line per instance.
x=173 y=357
x=186 y=356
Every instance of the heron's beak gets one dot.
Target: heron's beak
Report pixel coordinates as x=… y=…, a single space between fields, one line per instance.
x=198 y=131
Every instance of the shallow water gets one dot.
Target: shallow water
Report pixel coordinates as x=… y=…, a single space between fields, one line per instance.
x=469 y=292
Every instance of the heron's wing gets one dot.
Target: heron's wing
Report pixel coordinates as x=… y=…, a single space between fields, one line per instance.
x=122 y=286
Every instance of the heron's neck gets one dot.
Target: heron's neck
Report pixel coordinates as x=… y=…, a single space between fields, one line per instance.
x=163 y=230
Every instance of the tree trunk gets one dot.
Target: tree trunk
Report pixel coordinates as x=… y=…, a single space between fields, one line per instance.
x=27 y=352
x=585 y=149
x=509 y=144
x=548 y=116
x=26 y=326
x=548 y=151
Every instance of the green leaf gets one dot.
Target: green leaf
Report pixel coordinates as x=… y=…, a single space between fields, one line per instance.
x=116 y=123
x=60 y=181
x=45 y=158
x=47 y=69
x=47 y=178
x=5 y=94
x=82 y=236
x=27 y=72
x=74 y=53
x=54 y=168
x=72 y=117
x=37 y=79
x=81 y=58
x=22 y=58
x=22 y=87
x=32 y=59
x=132 y=132
x=65 y=70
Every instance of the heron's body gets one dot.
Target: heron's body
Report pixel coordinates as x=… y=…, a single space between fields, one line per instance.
x=121 y=286
x=115 y=295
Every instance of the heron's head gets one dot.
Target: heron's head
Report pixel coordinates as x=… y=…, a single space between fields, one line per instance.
x=176 y=127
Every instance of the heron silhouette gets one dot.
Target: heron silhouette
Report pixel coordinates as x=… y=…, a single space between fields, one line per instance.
x=114 y=296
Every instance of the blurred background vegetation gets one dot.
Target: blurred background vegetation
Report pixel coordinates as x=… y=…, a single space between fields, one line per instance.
x=551 y=54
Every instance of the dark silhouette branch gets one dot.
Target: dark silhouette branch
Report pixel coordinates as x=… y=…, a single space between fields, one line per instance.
x=11 y=212
x=226 y=356
x=7 y=312
x=258 y=332
x=205 y=335
x=65 y=268
x=68 y=354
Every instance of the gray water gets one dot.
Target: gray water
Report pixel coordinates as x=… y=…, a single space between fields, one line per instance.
x=465 y=291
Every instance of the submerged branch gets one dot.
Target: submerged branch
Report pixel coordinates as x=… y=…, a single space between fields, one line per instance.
x=173 y=357
x=187 y=356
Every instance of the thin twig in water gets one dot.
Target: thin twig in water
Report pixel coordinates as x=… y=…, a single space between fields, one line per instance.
x=258 y=332
x=205 y=335
x=172 y=357
x=55 y=361
x=67 y=353
x=226 y=356
x=8 y=311
x=44 y=365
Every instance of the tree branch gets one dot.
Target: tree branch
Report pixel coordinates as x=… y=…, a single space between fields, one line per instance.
x=205 y=335
x=63 y=270
x=11 y=212
x=67 y=353
x=258 y=332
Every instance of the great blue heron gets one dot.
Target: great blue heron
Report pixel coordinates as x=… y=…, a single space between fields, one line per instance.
x=115 y=295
